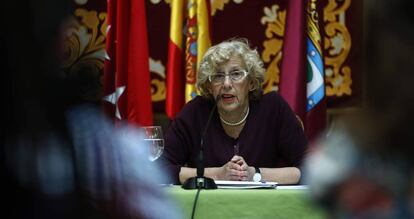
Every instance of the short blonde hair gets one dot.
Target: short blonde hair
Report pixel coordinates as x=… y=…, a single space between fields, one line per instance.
x=220 y=54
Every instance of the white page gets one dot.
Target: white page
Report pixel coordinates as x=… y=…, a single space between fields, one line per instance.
x=224 y=184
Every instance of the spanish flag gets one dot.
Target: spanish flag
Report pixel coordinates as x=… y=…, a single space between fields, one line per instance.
x=190 y=37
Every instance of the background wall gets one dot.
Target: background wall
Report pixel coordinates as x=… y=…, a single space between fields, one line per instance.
x=262 y=22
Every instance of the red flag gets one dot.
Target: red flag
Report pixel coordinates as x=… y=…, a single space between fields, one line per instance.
x=302 y=74
x=127 y=77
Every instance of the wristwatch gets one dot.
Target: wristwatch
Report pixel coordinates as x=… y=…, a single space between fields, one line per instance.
x=257 y=177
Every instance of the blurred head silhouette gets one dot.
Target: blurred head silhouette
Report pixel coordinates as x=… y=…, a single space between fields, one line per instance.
x=365 y=169
x=61 y=158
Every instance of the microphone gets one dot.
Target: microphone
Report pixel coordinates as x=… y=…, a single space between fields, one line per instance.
x=200 y=181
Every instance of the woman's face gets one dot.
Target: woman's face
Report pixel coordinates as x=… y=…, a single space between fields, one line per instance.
x=234 y=94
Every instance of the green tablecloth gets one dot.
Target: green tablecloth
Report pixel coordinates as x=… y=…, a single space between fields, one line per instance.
x=247 y=203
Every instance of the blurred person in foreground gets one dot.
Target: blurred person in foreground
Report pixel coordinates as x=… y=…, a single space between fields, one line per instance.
x=366 y=168
x=252 y=136
x=60 y=158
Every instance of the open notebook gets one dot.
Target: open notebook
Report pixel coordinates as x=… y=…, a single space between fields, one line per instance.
x=224 y=184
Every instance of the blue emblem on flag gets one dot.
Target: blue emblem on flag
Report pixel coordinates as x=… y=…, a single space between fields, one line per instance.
x=315 y=90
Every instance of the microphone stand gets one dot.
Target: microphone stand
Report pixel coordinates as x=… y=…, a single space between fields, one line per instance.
x=200 y=181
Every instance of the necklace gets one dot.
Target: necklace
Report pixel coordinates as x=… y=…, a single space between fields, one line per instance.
x=237 y=123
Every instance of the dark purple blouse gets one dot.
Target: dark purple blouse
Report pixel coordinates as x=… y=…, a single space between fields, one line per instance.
x=271 y=137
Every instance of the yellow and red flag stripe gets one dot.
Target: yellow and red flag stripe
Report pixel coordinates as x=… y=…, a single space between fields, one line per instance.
x=181 y=82
x=175 y=80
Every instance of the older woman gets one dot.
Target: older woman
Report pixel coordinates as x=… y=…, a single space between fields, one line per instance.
x=251 y=136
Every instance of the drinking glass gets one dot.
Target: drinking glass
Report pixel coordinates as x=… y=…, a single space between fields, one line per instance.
x=154 y=140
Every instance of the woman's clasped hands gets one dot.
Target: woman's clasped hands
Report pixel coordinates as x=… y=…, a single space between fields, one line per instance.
x=237 y=170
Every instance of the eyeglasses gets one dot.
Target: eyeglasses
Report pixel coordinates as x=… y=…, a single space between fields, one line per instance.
x=234 y=76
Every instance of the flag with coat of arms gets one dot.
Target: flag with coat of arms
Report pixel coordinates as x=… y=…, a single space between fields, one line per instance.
x=302 y=75
x=190 y=37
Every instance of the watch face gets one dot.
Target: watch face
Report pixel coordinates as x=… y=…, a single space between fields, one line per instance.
x=257 y=177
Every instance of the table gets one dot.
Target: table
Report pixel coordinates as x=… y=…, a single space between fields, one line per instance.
x=247 y=203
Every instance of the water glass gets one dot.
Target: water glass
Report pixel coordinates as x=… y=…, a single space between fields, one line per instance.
x=154 y=140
